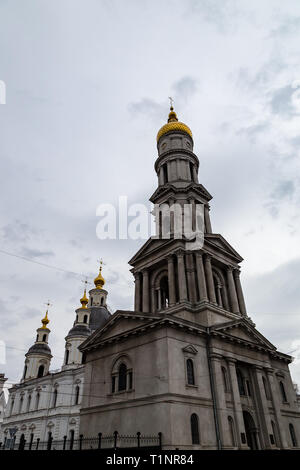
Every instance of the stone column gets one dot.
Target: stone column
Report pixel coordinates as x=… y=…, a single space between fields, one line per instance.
x=274 y=389
x=232 y=292
x=160 y=177
x=137 y=292
x=239 y=291
x=263 y=414
x=181 y=277
x=153 y=306
x=145 y=291
x=201 y=276
x=191 y=277
x=209 y=279
x=195 y=175
x=171 y=281
x=220 y=396
x=238 y=412
x=207 y=219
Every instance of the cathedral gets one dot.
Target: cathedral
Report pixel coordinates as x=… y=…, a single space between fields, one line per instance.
x=188 y=362
x=46 y=404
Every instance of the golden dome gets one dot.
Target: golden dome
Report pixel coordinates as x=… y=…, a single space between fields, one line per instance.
x=84 y=300
x=173 y=125
x=99 y=281
x=45 y=321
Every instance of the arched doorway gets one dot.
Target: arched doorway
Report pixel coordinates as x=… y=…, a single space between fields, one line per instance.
x=251 y=431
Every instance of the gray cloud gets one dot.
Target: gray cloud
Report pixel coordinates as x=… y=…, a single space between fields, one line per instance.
x=184 y=89
x=281 y=101
x=35 y=253
x=220 y=14
x=284 y=189
x=288 y=26
x=17 y=231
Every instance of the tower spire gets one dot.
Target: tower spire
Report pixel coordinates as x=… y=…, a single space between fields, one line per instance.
x=99 y=281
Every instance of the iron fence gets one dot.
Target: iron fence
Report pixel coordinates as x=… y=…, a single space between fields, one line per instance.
x=102 y=441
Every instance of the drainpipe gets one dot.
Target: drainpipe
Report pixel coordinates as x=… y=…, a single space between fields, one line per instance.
x=213 y=394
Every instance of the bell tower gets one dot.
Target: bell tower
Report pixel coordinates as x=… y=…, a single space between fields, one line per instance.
x=176 y=273
x=39 y=356
x=78 y=333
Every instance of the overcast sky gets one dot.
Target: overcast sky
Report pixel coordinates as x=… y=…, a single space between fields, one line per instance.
x=87 y=90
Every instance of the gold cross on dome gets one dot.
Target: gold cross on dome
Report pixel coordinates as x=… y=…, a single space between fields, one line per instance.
x=101 y=262
x=85 y=281
x=171 y=101
x=48 y=304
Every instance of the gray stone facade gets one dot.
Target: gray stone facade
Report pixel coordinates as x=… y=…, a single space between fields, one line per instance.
x=188 y=361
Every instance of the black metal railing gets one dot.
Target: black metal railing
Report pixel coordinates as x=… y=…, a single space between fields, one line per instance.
x=102 y=441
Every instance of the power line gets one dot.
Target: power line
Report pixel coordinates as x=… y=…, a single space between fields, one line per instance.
x=30 y=260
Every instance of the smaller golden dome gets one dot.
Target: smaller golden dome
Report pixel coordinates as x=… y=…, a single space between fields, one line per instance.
x=45 y=320
x=173 y=125
x=84 y=300
x=99 y=281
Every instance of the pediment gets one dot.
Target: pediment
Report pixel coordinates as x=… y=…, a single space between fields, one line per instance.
x=150 y=246
x=216 y=240
x=242 y=330
x=119 y=323
x=190 y=349
x=172 y=189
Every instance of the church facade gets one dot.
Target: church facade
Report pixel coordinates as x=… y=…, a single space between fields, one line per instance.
x=188 y=361
x=46 y=405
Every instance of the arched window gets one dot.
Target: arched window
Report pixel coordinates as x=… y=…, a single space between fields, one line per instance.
x=21 y=405
x=190 y=372
x=102 y=301
x=49 y=440
x=232 y=430
x=12 y=406
x=195 y=429
x=31 y=441
x=72 y=433
x=37 y=401
x=122 y=377
x=240 y=380
x=77 y=395
x=54 y=398
x=25 y=371
x=248 y=388
x=282 y=390
x=225 y=379
x=192 y=171
x=85 y=319
x=41 y=371
x=113 y=384
x=165 y=173
x=293 y=435
x=67 y=356
x=44 y=338
x=163 y=292
x=28 y=402
x=37 y=338
x=266 y=388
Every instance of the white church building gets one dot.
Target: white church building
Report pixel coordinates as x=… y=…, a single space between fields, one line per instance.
x=47 y=404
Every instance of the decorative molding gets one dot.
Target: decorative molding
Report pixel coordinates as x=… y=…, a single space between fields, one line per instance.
x=190 y=349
